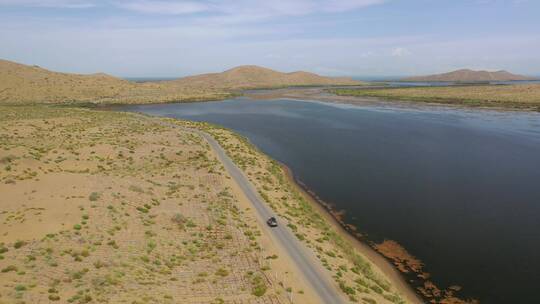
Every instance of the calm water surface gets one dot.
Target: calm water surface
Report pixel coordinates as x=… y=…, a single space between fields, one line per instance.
x=460 y=189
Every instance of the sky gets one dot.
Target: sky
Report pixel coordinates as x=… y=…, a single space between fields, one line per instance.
x=164 y=38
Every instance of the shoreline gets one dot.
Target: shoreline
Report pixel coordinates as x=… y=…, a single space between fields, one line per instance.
x=390 y=271
x=406 y=284
x=383 y=264
x=320 y=94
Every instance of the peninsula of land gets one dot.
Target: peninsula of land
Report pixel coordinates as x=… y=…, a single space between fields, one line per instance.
x=467 y=75
x=516 y=96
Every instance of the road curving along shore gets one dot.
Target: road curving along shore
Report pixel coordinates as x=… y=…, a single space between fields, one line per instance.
x=303 y=258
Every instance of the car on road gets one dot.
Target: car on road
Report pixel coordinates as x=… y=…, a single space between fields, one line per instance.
x=272 y=222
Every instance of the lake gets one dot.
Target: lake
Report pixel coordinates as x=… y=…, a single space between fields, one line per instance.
x=458 y=188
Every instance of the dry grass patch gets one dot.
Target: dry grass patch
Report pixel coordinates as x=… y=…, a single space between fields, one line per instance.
x=114 y=208
x=502 y=96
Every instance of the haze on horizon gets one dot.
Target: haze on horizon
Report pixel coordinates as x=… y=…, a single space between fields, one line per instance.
x=144 y=38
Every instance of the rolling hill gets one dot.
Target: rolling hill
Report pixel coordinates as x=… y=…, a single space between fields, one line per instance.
x=251 y=77
x=21 y=84
x=466 y=75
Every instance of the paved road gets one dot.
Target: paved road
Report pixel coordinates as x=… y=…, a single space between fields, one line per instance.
x=305 y=260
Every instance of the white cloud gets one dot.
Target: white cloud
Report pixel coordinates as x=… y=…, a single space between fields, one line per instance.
x=400 y=52
x=48 y=3
x=165 y=7
x=346 y=5
x=212 y=35
x=189 y=50
x=247 y=7
x=366 y=54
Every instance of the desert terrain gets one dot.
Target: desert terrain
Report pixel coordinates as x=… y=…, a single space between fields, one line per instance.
x=122 y=208
x=23 y=84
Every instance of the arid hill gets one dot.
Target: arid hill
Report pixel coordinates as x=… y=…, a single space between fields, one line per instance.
x=251 y=77
x=466 y=75
x=20 y=84
x=31 y=83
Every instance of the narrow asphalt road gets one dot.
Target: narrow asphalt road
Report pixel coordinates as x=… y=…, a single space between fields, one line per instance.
x=305 y=260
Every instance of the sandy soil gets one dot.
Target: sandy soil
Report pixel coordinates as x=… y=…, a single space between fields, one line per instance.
x=109 y=207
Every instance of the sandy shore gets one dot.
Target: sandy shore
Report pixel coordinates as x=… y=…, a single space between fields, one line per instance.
x=320 y=94
x=388 y=269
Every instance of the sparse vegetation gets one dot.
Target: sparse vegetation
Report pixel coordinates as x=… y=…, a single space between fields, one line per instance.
x=258 y=286
x=134 y=213
x=9 y=268
x=94 y=196
x=222 y=272
x=335 y=253
x=52 y=87
x=507 y=96
x=18 y=244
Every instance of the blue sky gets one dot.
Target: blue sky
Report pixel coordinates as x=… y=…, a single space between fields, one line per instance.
x=335 y=37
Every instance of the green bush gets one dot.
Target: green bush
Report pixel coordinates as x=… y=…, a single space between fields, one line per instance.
x=3 y=249
x=222 y=272
x=369 y=300
x=346 y=289
x=258 y=286
x=54 y=297
x=10 y=268
x=19 y=244
x=142 y=209
x=180 y=220
x=377 y=289
x=94 y=196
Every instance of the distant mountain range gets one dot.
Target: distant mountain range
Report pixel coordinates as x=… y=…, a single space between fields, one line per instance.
x=21 y=83
x=466 y=75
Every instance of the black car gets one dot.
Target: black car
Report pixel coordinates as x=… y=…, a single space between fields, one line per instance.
x=272 y=222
